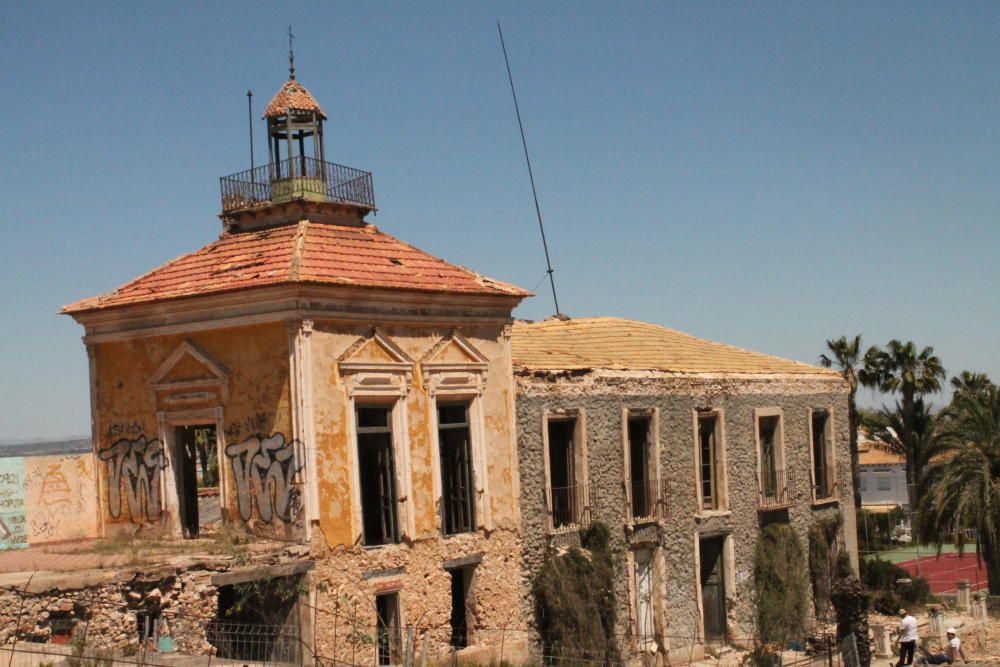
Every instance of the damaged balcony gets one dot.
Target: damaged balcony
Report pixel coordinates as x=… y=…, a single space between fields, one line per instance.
x=297 y=178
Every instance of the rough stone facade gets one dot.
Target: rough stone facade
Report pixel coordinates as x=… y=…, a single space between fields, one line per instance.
x=601 y=399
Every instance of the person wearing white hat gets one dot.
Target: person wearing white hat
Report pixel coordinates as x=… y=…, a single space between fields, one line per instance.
x=951 y=652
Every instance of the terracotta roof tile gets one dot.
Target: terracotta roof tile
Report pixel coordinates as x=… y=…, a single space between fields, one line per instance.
x=292 y=96
x=613 y=343
x=306 y=252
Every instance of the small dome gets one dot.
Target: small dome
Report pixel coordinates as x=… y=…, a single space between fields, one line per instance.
x=293 y=96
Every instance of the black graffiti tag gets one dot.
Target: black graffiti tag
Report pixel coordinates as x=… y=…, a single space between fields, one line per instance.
x=137 y=463
x=263 y=469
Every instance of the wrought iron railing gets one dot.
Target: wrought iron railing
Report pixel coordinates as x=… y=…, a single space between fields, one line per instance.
x=824 y=483
x=648 y=499
x=772 y=488
x=296 y=178
x=570 y=506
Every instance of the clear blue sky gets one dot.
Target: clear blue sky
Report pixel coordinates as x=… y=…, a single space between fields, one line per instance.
x=765 y=174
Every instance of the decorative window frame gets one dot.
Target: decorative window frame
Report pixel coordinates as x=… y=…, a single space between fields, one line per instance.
x=380 y=383
x=457 y=382
x=185 y=393
x=367 y=378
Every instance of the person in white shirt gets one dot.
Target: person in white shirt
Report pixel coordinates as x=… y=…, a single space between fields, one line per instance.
x=907 y=638
x=951 y=652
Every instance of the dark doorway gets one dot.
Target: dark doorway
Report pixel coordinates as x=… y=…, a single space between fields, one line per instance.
x=713 y=589
x=388 y=639
x=461 y=604
x=198 y=482
x=259 y=621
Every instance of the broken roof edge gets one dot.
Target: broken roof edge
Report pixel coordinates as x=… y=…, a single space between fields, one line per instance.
x=653 y=373
x=527 y=329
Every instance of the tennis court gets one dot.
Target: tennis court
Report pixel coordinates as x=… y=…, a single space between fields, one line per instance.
x=941 y=572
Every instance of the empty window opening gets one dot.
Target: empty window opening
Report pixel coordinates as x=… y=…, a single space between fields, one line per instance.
x=457 y=498
x=258 y=620
x=377 y=471
x=198 y=481
x=822 y=462
x=562 y=472
x=772 y=477
x=708 y=456
x=462 y=605
x=147 y=627
x=643 y=484
x=388 y=638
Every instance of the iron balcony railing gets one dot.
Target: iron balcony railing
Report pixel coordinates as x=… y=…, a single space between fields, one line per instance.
x=296 y=178
x=824 y=483
x=648 y=499
x=570 y=506
x=772 y=489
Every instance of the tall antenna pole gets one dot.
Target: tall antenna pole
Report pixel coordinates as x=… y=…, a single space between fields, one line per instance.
x=531 y=176
x=250 y=125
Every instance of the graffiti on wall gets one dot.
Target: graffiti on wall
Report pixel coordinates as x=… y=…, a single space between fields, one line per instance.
x=13 y=518
x=263 y=469
x=61 y=498
x=134 y=465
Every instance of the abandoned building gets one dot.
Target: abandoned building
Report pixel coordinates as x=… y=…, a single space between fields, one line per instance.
x=684 y=448
x=310 y=379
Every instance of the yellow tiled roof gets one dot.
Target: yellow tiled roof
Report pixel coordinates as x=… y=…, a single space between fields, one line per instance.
x=613 y=343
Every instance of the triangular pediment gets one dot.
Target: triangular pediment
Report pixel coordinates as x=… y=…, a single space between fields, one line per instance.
x=453 y=349
x=374 y=348
x=188 y=363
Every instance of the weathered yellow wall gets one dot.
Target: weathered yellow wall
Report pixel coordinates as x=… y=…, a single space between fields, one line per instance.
x=258 y=406
x=351 y=576
x=331 y=406
x=60 y=498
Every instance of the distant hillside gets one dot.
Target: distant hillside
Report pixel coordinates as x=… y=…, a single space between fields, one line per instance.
x=46 y=447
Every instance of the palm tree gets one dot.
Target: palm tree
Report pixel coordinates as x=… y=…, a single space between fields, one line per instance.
x=967 y=381
x=917 y=440
x=961 y=488
x=845 y=356
x=899 y=368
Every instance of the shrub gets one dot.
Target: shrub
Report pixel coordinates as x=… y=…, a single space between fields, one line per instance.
x=887 y=597
x=575 y=600
x=780 y=582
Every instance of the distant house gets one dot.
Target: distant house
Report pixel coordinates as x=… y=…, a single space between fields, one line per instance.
x=882 y=477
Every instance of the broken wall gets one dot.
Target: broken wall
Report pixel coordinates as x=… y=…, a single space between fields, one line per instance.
x=47 y=499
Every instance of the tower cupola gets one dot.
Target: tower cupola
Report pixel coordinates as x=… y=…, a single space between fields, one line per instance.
x=297 y=181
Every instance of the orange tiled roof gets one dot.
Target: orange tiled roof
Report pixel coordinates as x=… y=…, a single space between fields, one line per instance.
x=613 y=343
x=292 y=96
x=302 y=253
x=876 y=454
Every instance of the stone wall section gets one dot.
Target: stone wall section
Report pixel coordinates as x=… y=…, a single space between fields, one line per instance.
x=602 y=399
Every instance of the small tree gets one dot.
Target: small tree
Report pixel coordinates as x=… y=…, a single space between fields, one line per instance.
x=780 y=585
x=575 y=600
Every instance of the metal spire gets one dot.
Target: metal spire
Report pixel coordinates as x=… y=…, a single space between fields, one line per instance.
x=291 y=54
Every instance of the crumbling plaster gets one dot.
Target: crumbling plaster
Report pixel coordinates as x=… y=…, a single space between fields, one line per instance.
x=602 y=397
